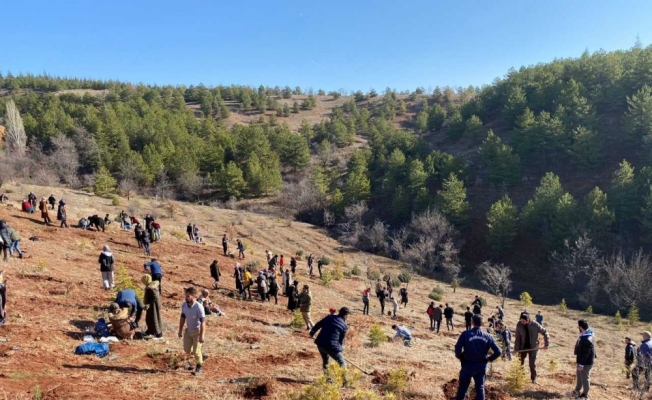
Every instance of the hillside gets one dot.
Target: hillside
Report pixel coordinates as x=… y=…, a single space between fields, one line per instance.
x=54 y=294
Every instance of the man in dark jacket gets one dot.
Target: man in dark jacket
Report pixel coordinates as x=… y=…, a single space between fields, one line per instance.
x=215 y=273
x=97 y=222
x=477 y=305
x=526 y=342
x=643 y=362
x=62 y=214
x=438 y=315
x=154 y=270
x=630 y=355
x=127 y=298
x=189 y=232
x=331 y=337
x=225 y=244
x=448 y=314
x=52 y=201
x=468 y=317
x=106 y=261
x=471 y=349
x=584 y=356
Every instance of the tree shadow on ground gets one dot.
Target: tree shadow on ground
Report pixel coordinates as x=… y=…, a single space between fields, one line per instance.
x=124 y=370
x=542 y=394
x=34 y=220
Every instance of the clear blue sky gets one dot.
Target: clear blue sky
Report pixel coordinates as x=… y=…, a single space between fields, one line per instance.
x=355 y=44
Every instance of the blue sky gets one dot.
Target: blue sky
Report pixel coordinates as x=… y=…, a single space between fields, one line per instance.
x=355 y=44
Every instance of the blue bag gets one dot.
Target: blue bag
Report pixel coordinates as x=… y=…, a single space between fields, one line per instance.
x=101 y=328
x=99 y=349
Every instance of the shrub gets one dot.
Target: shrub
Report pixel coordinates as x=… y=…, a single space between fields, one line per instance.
x=553 y=365
x=397 y=381
x=297 y=320
x=325 y=260
x=337 y=272
x=327 y=386
x=437 y=293
x=252 y=266
x=376 y=335
x=618 y=320
x=115 y=201
x=179 y=234
x=483 y=301
x=563 y=306
x=396 y=282
x=589 y=310
x=405 y=277
x=356 y=271
x=326 y=278
x=455 y=283
x=516 y=378
x=124 y=281
x=633 y=314
x=526 y=299
x=299 y=253
x=373 y=274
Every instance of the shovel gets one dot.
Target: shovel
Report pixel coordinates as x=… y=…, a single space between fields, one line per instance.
x=363 y=371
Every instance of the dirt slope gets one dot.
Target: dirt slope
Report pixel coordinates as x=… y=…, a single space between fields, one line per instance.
x=55 y=292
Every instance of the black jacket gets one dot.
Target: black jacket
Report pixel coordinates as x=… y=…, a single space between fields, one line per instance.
x=333 y=331
x=106 y=261
x=630 y=352
x=585 y=350
x=215 y=271
x=449 y=312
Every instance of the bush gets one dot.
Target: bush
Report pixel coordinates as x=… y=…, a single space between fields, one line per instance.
x=618 y=319
x=516 y=378
x=376 y=335
x=405 y=277
x=396 y=282
x=124 y=281
x=455 y=283
x=633 y=314
x=397 y=381
x=373 y=274
x=252 y=266
x=327 y=386
x=356 y=271
x=589 y=311
x=562 y=306
x=326 y=278
x=553 y=365
x=526 y=299
x=337 y=272
x=297 y=320
x=437 y=293
x=299 y=253
x=325 y=260
x=115 y=201
x=179 y=234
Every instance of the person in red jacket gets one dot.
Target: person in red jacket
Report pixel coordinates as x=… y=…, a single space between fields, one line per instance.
x=27 y=207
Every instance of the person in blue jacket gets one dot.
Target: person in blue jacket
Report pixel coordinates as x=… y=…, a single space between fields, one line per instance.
x=332 y=331
x=471 y=349
x=128 y=298
x=155 y=271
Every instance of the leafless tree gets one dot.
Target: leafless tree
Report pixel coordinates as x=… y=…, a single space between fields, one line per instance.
x=352 y=229
x=128 y=187
x=190 y=184
x=64 y=159
x=377 y=237
x=15 y=136
x=329 y=218
x=129 y=169
x=163 y=187
x=398 y=241
x=44 y=177
x=429 y=242
x=301 y=197
x=497 y=279
x=625 y=282
x=89 y=152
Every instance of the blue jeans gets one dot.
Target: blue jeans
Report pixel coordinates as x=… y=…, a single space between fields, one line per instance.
x=327 y=354
x=15 y=245
x=475 y=371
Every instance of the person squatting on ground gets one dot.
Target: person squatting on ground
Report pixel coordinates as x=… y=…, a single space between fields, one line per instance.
x=127 y=298
x=194 y=318
x=305 y=304
x=215 y=273
x=584 y=356
x=330 y=340
x=152 y=302
x=209 y=306
x=630 y=355
x=121 y=322
x=107 y=261
x=643 y=362
x=505 y=336
x=156 y=272
x=527 y=338
x=3 y=298
x=402 y=333
x=365 y=301
x=472 y=350
x=448 y=314
x=43 y=207
x=97 y=222
x=468 y=318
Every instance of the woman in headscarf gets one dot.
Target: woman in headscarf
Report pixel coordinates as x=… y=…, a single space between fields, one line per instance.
x=288 y=283
x=120 y=322
x=293 y=296
x=43 y=206
x=152 y=301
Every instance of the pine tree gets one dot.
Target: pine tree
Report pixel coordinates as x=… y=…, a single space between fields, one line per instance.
x=563 y=306
x=585 y=148
x=563 y=218
x=306 y=131
x=504 y=166
x=230 y=181
x=501 y=221
x=623 y=194
x=416 y=177
x=646 y=216
x=452 y=200
x=515 y=105
x=286 y=110
x=320 y=179
x=421 y=123
x=296 y=152
x=436 y=117
x=104 y=183
x=473 y=127
x=633 y=314
x=638 y=119
x=541 y=207
x=400 y=204
x=296 y=108
x=597 y=214
x=456 y=125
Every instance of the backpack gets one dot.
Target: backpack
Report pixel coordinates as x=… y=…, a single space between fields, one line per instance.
x=101 y=328
x=431 y=311
x=99 y=349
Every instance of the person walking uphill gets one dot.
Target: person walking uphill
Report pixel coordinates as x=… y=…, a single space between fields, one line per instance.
x=330 y=341
x=630 y=355
x=305 y=304
x=62 y=214
x=584 y=356
x=527 y=342
x=431 y=315
x=215 y=273
x=5 y=235
x=107 y=260
x=468 y=318
x=194 y=318
x=241 y=249
x=15 y=243
x=154 y=270
x=448 y=314
x=225 y=244
x=152 y=302
x=43 y=207
x=471 y=349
